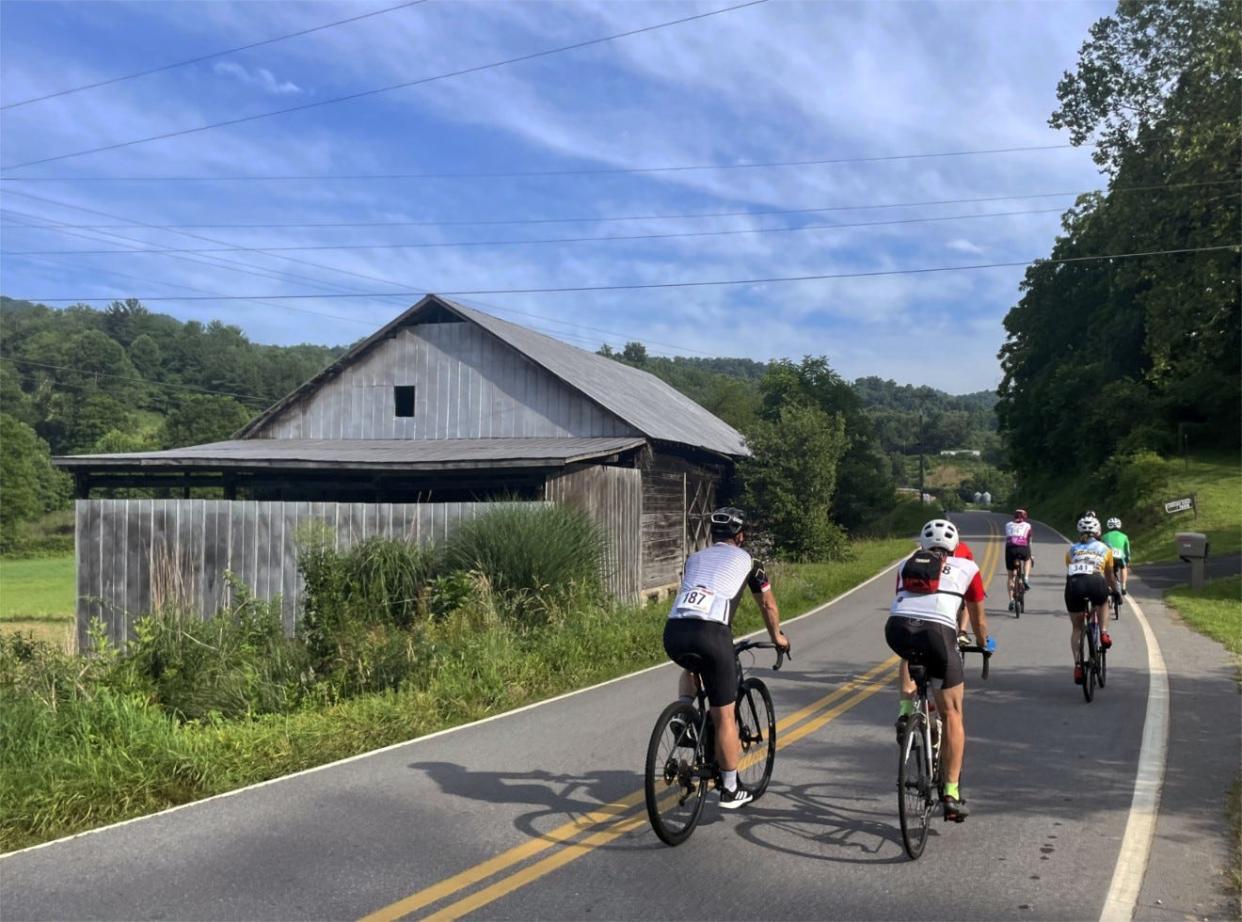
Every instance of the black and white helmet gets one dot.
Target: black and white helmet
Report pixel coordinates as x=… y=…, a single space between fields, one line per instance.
x=939 y=533
x=1114 y=523
x=727 y=522
x=1089 y=525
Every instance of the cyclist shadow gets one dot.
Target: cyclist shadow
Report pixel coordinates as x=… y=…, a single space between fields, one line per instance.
x=560 y=797
x=808 y=821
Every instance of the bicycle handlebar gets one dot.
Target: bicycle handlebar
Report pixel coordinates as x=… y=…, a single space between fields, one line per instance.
x=782 y=653
x=975 y=648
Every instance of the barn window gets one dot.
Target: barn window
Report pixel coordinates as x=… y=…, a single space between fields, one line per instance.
x=403 y=398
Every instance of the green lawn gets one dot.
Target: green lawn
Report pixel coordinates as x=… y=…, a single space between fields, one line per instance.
x=1216 y=481
x=41 y=589
x=1214 y=610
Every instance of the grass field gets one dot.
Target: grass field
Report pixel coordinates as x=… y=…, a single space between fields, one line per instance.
x=1214 y=610
x=41 y=589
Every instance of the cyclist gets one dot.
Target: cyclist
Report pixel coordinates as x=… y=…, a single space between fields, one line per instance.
x=923 y=622
x=698 y=638
x=1116 y=539
x=1018 y=552
x=1088 y=581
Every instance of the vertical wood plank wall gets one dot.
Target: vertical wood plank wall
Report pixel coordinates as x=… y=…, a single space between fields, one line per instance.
x=467 y=385
x=133 y=554
x=613 y=497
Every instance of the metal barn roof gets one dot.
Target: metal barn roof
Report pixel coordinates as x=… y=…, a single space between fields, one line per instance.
x=363 y=454
x=642 y=400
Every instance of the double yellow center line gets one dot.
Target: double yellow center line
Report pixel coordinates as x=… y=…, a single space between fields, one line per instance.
x=613 y=820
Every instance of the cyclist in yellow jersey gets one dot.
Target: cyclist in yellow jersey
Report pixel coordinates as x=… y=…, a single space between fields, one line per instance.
x=1088 y=582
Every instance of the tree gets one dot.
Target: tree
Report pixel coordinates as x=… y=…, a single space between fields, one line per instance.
x=29 y=485
x=202 y=418
x=791 y=478
x=635 y=352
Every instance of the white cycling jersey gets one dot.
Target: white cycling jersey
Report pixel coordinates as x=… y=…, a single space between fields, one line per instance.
x=1018 y=533
x=711 y=588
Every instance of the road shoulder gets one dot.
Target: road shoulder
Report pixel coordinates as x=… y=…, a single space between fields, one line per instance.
x=1191 y=853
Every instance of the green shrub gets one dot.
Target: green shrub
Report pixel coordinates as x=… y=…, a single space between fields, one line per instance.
x=237 y=663
x=533 y=557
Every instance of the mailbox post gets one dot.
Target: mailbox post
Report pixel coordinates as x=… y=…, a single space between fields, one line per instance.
x=1192 y=547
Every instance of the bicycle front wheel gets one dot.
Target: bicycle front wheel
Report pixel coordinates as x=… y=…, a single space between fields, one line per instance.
x=756 y=726
x=674 y=788
x=914 y=787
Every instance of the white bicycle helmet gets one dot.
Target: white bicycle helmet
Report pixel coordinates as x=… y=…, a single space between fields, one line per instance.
x=1114 y=523
x=939 y=533
x=1089 y=525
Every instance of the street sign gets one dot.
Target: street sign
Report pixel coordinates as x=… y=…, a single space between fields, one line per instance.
x=1185 y=504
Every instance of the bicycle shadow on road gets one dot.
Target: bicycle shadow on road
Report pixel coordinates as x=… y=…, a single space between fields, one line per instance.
x=809 y=821
x=558 y=798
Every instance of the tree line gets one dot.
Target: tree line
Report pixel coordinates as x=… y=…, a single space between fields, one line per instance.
x=1108 y=359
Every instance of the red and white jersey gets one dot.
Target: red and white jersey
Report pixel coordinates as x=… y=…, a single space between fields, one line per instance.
x=959 y=580
x=1018 y=533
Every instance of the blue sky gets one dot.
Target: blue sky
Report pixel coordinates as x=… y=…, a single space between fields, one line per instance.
x=775 y=82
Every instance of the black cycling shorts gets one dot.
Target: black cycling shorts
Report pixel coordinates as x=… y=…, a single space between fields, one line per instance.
x=1014 y=553
x=1083 y=591
x=927 y=643
x=705 y=647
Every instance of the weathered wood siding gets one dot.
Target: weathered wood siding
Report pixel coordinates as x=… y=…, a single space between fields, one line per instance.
x=613 y=497
x=467 y=385
x=678 y=498
x=134 y=554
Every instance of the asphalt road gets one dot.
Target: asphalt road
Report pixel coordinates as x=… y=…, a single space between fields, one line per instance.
x=538 y=814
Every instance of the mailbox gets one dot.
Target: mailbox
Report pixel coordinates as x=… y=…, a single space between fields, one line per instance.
x=1192 y=545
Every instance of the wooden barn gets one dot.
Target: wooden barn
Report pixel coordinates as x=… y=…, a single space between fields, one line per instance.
x=438 y=414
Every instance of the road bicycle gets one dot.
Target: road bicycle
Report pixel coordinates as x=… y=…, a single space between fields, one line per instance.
x=1019 y=592
x=920 y=786
x=1092 y=655
x=681 y=756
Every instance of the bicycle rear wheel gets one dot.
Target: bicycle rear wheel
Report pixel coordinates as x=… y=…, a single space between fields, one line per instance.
x=914 y=788
x=756 y=725
x=1102 y=658
x=1091 y=675
x=1088 y=663
x=1019 y=603
x=674 y=790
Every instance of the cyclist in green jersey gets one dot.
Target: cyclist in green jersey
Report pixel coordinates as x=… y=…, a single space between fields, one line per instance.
x=1116 y=539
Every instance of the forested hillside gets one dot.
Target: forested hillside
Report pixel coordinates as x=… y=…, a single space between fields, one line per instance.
x=1107 y=359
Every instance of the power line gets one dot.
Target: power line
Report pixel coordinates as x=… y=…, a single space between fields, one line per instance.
x=384 y=281
x=385 y=89
x=602 y=219
x=208 y=57
x=537 y=241
x=521 y=174
x=696 y=283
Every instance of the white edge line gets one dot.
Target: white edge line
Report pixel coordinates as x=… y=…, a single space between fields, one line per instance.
x=420 y=739
x=1121 y=901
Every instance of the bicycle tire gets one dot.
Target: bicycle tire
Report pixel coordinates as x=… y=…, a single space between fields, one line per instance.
x=756 y=726
x=1116 y=609
x=1019 y=604
x=914 y=788
x=1090 y=673
x=1088 y=689
x=674 y=792
x=1102 y=654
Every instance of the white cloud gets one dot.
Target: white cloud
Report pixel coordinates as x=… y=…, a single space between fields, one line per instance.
x=962 y=245
x=260 y=77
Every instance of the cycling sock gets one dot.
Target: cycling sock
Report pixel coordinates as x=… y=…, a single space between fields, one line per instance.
x=905 y=708
x=951 y=790
x=729 y=780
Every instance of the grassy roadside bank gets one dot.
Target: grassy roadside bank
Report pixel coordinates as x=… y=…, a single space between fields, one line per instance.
x=113 y=756
x=1215 y=610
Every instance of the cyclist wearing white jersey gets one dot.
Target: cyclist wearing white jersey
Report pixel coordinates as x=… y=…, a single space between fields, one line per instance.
x=1018 y=552
x=698 y=638
x=922 y=625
